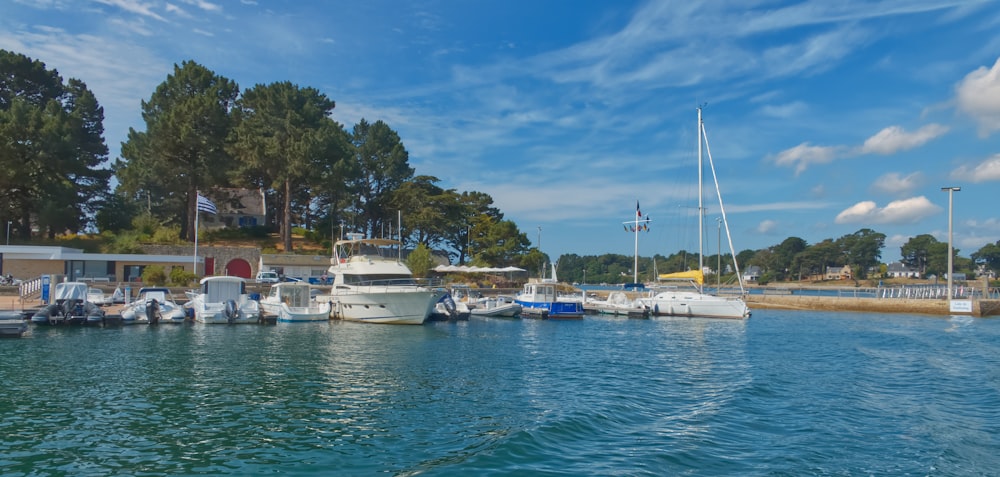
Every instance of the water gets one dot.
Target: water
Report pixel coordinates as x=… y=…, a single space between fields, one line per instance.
x=784 y=393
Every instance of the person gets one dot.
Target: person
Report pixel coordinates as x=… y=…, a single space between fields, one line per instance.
x=322 y=278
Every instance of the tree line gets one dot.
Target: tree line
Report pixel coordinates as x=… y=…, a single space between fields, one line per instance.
x=202 y=132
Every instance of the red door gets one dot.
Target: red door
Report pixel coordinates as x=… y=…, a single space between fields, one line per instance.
x=238 y=267
x=209 y=266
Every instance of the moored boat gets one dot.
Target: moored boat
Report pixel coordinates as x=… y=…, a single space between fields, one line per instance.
x=223 y=299
x=69 y=307
x=12 y=324
x=618 y=304
x=448 y=308
x=371 y=286
x=153 y=305
x=292 y=302
x=541 y=300
x=499 y=306
x=694 y=302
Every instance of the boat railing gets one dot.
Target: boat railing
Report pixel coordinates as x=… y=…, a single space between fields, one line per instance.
x=398 y=282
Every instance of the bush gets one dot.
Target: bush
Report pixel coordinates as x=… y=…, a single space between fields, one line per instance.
x=181 y=277
x=154 y=275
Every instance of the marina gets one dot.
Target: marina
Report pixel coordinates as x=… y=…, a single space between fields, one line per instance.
x=782 y=393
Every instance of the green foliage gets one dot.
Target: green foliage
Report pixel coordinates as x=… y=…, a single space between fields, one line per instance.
x=182 y=149
x=420 y=261
x=182 y=278
x=283 y=136
x=383 y=166
x=145 y=224
x=51 y=149
x=167 y=235
x=154 y=275
x=988 y=256
x=124 y=242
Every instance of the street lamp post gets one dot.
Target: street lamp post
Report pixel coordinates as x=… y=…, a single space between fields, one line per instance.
x=951 y=192
x=8 y=231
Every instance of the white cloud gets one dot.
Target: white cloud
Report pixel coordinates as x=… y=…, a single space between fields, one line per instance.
x=206 y=6
x=978 y=95
x=906 y=211
x=894 y=139
x=893 y=184
x=767 y=226
x=804 y=154
x=133 y=6
x=784 y=111
x=988 y=170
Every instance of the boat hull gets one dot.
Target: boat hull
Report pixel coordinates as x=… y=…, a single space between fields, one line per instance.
x=559 y=310
x=297 y=314
x=509 y=310
x=697 y=305
x=388 y=307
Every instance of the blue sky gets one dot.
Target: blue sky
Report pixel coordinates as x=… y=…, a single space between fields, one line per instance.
x=823 y=117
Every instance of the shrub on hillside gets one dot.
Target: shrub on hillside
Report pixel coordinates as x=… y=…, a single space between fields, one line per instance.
x=181 y=277
x=154 y=275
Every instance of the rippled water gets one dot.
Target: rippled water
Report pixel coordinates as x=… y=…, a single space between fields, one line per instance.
x=784 y=393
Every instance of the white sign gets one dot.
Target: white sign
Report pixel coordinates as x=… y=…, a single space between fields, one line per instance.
x=961 y=306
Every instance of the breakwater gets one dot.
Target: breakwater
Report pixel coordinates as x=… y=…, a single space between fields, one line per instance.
x=874 y=305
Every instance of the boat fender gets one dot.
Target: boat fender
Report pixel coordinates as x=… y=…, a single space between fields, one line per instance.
x=656 y=308
x=153 y=311
x=231 y=311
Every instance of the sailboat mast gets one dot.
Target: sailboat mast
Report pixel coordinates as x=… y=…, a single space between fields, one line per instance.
x=701 y=210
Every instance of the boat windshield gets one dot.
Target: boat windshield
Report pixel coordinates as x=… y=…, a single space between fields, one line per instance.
x=379 y=279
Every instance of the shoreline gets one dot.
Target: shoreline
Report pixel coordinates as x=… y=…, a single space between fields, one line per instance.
x=935 y=307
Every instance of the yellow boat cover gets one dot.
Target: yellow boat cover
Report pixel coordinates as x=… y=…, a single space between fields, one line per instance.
x=694 y=275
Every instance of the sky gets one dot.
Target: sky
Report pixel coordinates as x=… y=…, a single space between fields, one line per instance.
x=823 y=118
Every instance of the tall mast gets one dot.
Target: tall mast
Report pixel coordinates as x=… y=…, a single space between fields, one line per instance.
x=701 y=210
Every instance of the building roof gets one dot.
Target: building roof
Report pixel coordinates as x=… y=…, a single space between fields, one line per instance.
x=37 y=252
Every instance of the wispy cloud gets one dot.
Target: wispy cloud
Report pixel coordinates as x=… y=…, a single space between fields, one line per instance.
x=896 y=185
x=133 y=6
x=894 y=139
x=906 y=211
x=804 y=155
x=767 y=226
x=203 y=5
x=985 y=171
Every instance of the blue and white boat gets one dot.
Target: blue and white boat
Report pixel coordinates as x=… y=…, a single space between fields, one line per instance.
x=541 y=300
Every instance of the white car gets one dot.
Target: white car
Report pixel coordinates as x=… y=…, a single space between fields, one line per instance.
x=267 y=277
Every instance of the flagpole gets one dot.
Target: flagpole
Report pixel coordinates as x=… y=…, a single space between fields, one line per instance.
x=194 y=259
x=636 y=227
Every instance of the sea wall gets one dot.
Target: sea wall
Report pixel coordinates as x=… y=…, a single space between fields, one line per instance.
x=876 y=305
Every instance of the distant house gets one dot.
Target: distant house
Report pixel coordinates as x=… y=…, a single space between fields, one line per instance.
x=752 y=273
x=900 y=270
x=238 y=208
x=838 y=273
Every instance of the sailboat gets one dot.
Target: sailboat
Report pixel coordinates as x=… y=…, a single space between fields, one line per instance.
x=695 y=302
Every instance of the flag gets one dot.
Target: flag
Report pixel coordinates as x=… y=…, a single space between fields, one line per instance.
x=206 y=205
x=637 y=213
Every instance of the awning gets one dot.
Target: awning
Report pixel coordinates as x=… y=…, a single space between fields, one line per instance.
x=468 y=269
